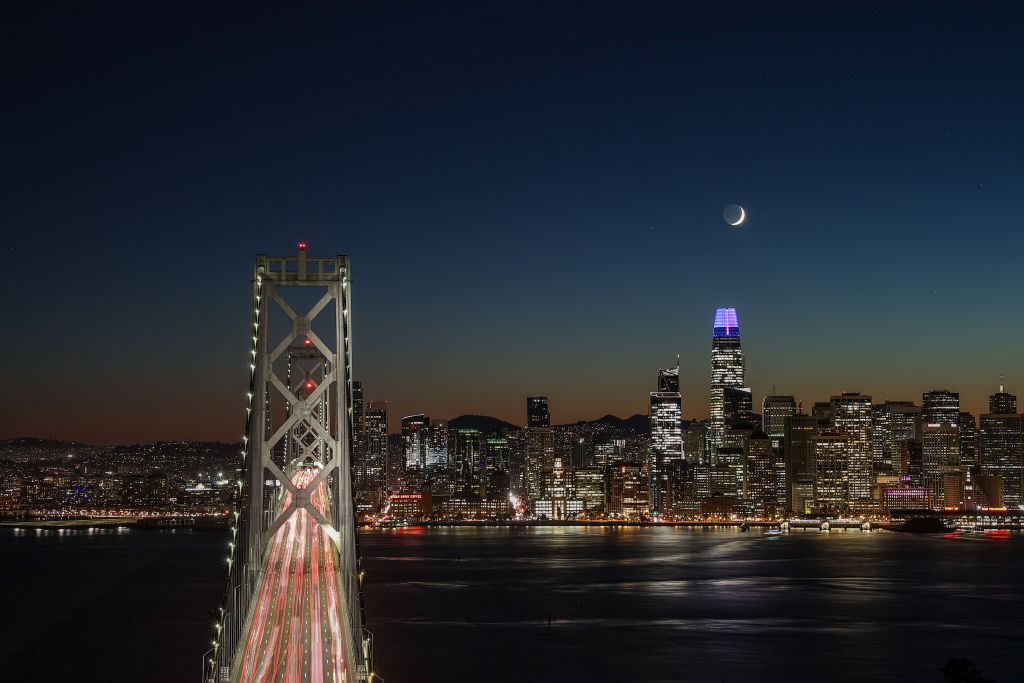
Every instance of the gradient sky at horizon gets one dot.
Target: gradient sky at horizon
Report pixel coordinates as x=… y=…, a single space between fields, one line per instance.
x=531 y=197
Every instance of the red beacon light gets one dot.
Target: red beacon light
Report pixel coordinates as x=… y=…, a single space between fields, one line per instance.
x=309 y=385
x=308 y=342
x=302 y=245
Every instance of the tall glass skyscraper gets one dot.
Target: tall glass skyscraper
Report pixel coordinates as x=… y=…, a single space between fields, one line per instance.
x=666 y=417
x=414 y=441
x=1000 y=440
x=726 y=370
x=540 y=446
x=851 y=414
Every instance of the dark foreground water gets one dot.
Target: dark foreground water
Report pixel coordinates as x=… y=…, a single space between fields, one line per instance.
x=474 y=604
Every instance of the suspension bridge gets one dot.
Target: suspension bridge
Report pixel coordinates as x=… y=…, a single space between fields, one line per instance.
x=292 y=603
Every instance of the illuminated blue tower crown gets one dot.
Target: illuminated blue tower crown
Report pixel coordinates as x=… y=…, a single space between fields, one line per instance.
x=726 y=323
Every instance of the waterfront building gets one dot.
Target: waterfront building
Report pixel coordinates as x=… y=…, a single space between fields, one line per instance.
x=627 y=491
x=800 y=459
x=905 y=497
x=759 y=490
x=726 y=370
x=1000 y=453
x=590 y=487
x=666 y=442
x=851 y=415
x=831 y=492
x=540 y=446
x=940 y=455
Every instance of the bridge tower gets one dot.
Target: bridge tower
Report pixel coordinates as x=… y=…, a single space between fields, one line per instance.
x=299 y=415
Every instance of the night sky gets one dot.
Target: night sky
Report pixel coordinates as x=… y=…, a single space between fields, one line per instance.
x=531 y=196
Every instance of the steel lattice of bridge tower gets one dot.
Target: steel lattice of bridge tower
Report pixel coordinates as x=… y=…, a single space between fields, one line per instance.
x=297 y=479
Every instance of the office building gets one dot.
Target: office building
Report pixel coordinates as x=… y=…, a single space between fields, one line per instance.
x=726 y=370
x=414 y=441
x=801 y=463
x=666 y=443
x=1000 y=454
x=831 y=493
x=540 y=446
x=851 y=415
x=759 y=489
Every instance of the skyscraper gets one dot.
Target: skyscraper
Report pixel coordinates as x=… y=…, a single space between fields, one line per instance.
x=940 y=405
x=467 y=461
x=414 y=441
x=1000 y=442
x=902 y=422
x=358 y=427
x=801 y=464
x=968 y=442
x=540 y=446
x=666 y=443
x=759 y=490
x=940 y=456
x=774 y=411
x=375 y=459
x=726 y=370
x=940 y=441
x=831 y=492
x=437 y=446
x=851 y=415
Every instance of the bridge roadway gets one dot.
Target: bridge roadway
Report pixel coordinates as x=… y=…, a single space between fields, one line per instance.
x=294 y=631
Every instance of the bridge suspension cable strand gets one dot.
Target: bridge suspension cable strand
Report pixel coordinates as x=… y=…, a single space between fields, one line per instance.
x=292 y=605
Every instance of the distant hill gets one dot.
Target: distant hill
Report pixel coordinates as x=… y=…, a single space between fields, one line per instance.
x=483 y=423
x=636 y=423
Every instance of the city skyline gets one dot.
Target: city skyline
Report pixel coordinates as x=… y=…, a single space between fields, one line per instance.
x=531 y=197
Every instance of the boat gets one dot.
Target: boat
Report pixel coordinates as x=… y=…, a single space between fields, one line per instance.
x=971 y=532
x=773 y=531
x=744 y=527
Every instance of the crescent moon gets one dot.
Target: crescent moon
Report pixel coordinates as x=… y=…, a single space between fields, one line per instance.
x=743 y=217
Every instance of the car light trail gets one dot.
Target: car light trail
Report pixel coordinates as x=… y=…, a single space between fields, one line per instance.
x=295 y=632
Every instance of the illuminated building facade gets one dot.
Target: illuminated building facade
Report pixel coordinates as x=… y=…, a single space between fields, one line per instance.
x=726 y=370
x=414 y=441
x=759 y=490
x=902 y=422
x=940 y=455
x=590 y=487
x=370 y=477
x=437 y=446
x=627 y=491
x=831 y=493
x=851 y=415
x=540 y=446
x=666 y=442
x=999 y=438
